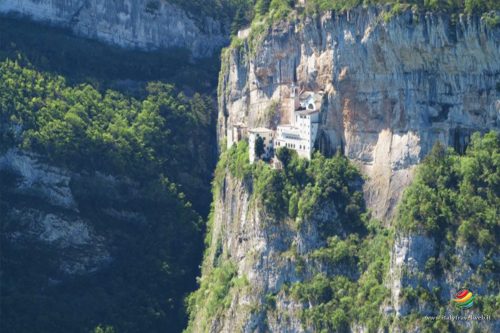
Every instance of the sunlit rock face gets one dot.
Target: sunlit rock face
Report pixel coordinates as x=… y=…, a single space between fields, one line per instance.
x=393 y=89
x=264 y=250
x=143 y=24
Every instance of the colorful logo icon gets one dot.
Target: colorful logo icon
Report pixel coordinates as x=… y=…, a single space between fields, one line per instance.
x=464 y=299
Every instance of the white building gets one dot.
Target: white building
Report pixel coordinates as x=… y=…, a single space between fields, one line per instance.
x=301 y=134
x=267 y=136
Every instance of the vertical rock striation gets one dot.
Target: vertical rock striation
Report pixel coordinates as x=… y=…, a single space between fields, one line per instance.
x=142 y=24
x=268 y=253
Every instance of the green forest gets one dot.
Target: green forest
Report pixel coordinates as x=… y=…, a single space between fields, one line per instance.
x=72 y=106
x=457 y=197
x=95 y=110
x=80 y=128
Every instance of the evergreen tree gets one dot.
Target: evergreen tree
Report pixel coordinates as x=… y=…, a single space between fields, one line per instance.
x=259 y=147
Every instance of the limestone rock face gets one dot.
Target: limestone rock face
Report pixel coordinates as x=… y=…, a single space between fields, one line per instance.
x=46 y=181
x=392 y=89
x=410 y=254
x=412 y=260
x=264 y=251
x=142 y=24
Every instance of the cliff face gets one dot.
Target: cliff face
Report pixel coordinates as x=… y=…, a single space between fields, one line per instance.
x=250 y=238
x=392 y=89
x=288 y=276
x=269 y=254
x=143 y=24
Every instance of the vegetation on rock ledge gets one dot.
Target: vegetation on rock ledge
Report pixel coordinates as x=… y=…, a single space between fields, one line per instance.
x=452 y=198
x=301 y=187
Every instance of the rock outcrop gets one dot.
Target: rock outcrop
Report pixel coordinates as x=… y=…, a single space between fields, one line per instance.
x=392 y=88
x=51 y=207
x=43 y=211
x=414 y=270
x=268 y=254
x=142 y=24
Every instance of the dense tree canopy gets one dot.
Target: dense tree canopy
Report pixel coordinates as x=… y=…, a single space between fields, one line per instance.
x=93 y=109
x=458 y=194
x=81 y=128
